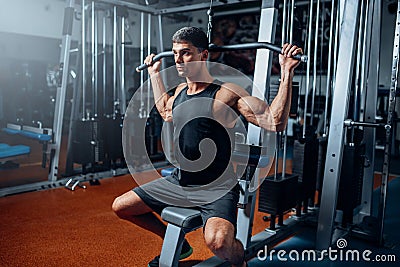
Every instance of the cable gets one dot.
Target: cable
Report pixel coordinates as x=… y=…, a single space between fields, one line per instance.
x=210 y=14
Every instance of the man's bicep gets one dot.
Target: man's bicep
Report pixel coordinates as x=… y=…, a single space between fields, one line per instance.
x=244 y=106
x=250 y=106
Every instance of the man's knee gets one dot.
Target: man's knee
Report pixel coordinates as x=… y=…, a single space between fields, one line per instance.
x=120 y=207
x=127 y=205
x=117 y=206
x=219 y=236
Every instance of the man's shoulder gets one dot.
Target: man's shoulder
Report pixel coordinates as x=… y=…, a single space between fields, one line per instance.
x=230 y=93
x=232 y=90
x=179 y=88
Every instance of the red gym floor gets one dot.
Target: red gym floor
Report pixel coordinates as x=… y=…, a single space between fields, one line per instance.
x=59 y=227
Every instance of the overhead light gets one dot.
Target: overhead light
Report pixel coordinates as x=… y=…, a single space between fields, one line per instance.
x=151 y=2
x=73 y=74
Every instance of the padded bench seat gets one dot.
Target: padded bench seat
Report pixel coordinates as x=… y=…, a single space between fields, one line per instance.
x=11 y=131
x=180 y=222
x=36 y=136
x=251 y=155
x=8 y=152
x=32 y=135
x=43 y=135
x=189 y=219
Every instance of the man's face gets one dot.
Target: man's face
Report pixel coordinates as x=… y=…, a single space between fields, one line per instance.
x=185 y=52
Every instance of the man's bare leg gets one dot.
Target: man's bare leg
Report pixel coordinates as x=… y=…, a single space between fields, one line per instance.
x=219 y=235
x=131 y=207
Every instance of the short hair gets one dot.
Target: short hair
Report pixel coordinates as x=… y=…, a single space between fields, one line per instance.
x=191 y=34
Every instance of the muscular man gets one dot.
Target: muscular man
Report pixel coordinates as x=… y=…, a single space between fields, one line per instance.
x=190 y=45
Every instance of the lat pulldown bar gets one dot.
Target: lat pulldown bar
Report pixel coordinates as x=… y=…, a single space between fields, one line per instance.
x=214 y=48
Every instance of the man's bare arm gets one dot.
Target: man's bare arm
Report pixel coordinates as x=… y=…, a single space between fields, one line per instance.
x=275 y=116
x=160 y=94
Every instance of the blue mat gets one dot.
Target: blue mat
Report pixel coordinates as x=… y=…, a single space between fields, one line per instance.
x=32 y=135
x=7 y=151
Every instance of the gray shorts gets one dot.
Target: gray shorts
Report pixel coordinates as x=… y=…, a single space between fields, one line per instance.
x=224 y=207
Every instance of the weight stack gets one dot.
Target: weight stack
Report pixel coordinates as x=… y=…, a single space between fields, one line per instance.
x=134 y=139
x=351 y=180
x=88 y=142
x=305 y=153
x=112 y=132
x=278 y=195
x=151 y=138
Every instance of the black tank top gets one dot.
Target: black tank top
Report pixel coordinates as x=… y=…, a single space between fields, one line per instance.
x=195 y=130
